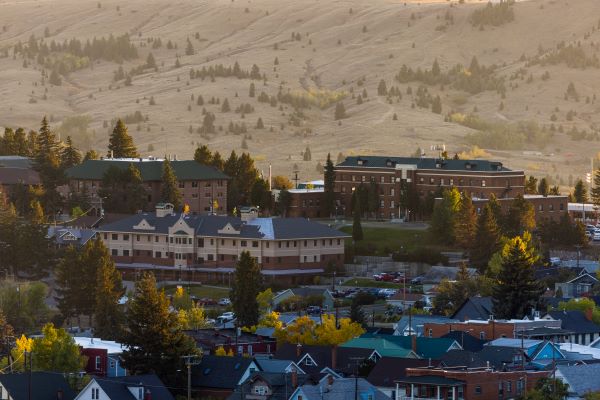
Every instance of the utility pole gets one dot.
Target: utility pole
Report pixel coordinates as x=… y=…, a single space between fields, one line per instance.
x=190 y=360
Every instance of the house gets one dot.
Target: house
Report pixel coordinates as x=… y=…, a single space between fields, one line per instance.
x=42 y=386
x=240 y=343
x=417 y=323
x=218 y=376
x=537 y=353
x=578 y=286
x=103 y=356
x=579 y=352
x=475 y=307
x=136 y=387
x=388 y=370
x=64 y=237
x=16 y=171
x=404 y=301
x=462 y=358
x=466 y=341
x=307 y=293
x=201 y=186
x=207 y=247
x=273 y=365
x=579 y=325
x=339 y=389
x=467 y=383
x=438 y=273
x=383 y=347
x=582 y=379
x=423 y=347
x=269 y=386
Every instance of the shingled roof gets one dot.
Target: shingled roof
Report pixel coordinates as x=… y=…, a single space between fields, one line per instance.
x=423 y=163
x=44 y=386
x=117 y=388
x=151 y=170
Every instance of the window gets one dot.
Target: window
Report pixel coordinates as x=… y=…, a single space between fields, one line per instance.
x=314 y=242
x=194 y=184
x=222 y=257
x=114 y=236
x=482 y=335
x=200 y=242
x=125 y=237
x=112 y=364
x=508 y=386
x=363 y=178
x=305 y=258
x=483 y=183
x=243 y=243
x=222 y=242
x=308 y=361
x=430 y=332
x=114 y=252
x=382 y=180
x=156 y=239
x=137 y=238
x=95 y=394
x=126 y=253
x=477 y=389
x=181 y=185
x=105 y=236
x=98 y=363
x=442 y=181
x=451 y=182
x=254 y=243
x=158 y=254
x=260 y=390
x=210 y=257
x=541 y=207
x=551 y=207
x=194 y=195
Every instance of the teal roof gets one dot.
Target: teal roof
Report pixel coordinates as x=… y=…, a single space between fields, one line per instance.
x=427 y=347
x=150 y=170
x=423 y=163
x=384 y=347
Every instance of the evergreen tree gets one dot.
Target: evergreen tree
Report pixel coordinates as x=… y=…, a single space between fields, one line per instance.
x=47 y=163
x=189 y=48
x=520 y=217
x=595 y=192
x=443 y=220
x=283 y=202
x=225 y=106
x=465 y=228
x=170 y=188
x=543 y=187
x=252 y=90
x=382 y=88
x=153 y=340
x=517 y=291
x=109 y=290
x=260 y=195
x=217 y=161
x=531 y=185
x=122 y=189
x=357 y=232
x=436 y=105
x=203 y=155
x=70 y=155
x=150 y=61
x=487 y=239
x=91 y=155
x=329 y=186
x=120 y=144
x=246 y=286
x=356 y=312
x=580 y=194
x=260 y=124
x=340 y=111
x=68 y=279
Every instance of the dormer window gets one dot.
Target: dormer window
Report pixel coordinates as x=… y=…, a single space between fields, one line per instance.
x=360 y=162
x=389 y=163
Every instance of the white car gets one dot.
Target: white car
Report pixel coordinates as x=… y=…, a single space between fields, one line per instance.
x=226 y=317
x=224 y=302
x=596 y=235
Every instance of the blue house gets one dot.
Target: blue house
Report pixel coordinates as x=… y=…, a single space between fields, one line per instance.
x=540 y=354
x=339 y=389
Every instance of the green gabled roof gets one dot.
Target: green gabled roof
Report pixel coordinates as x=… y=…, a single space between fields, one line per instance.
x=384 y=347
x=150 y=170
x=427 y=347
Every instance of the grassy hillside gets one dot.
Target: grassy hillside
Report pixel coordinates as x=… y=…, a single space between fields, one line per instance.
x=516 y=101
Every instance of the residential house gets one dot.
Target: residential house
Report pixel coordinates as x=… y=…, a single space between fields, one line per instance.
x=218 y=376
x=417 y=323
x=538 y=354
x=327 y=300
x=269 y=386
x=37 y=385
x=581 y=328
x=466 y=341
x=207 y=247
x=404 y=301
x=423 y=347
x=467 y=383
x=103 y=356
x=579 y=352
x=339 y=389
x=15 y=171
x=240 y=343
x=136 y=387
x=438 y=273
x=390 y=369
x=475 y=307
x=383 y=347
x=462 y=358
x=64 y=237
x=203 y=188
x=578 y=286
x=581 y=378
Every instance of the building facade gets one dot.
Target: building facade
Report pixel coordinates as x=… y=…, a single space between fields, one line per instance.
x=203 y=188
x=205 y=247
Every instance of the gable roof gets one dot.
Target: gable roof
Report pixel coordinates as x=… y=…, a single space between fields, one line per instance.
x=385 y=348
x=575 y=321
x=475 y=307
x=423 y=163
x=340 y=389
x=276 y=366
x=220 y=371
x=418 y=321
x=465 y=340
x=462 y=358
x=389 y=369
x=584 y=276
x=151 y=170
x=581 y=378
x=281 y=385
x=117 y=388
x=323 y=356
x=45 y=386
x=427 y=347
x=499 y=356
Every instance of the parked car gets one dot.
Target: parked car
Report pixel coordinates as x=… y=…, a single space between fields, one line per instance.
x=224 y=301
x=596 y=236
x=226 y=317
x=207 y=301
x=555 y=261
x=417 y=281
x=313 y=310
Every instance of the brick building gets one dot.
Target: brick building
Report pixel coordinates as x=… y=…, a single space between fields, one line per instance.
x=16 y=170
x=466 y=383
x=200 y=185
x=207 y=247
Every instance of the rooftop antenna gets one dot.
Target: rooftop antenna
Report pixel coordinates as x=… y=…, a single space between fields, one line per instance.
x=296 y=170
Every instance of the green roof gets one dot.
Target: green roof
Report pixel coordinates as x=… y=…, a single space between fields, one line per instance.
x=427 y=347
x=150 y=170
x=384 y=347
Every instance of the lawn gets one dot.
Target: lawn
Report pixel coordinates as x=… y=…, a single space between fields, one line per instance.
x=201 y=291
x=383 y=241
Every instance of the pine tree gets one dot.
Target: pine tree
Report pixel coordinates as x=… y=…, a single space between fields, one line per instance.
x=252 y=90
x=520 y=217
x=543 y=187
x=109 y=290
x=68 y=279
x=225 y=106
x=329 y=189
x=517 y=291
x=247 y=283
x=356 y=312
x=70 y=155
x=382 y=88
x=580 y=194
x=150 y=61
x=443 y=219
x=357 y=232
x=436 y=105
x=203 y=155
x=466 y=223
x=47 y=163
x=120 y=144
x=340 y=111
x=260 y=124
x=595 y=192
x=189 y=49
x=153 y=340
x=487 y=239
x=531 y=185
x=170 y=188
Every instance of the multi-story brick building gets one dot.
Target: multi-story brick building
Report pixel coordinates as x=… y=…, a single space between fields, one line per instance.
x=202 y=187
x=207 y=247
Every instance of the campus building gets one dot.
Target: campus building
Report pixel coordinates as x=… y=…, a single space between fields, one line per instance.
x=203 y=188
x=207 y=247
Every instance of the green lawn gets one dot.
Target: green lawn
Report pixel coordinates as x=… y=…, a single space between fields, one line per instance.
x=382 y=241
x=202 y=291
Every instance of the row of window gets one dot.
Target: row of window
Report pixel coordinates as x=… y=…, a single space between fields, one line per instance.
x=195 y=184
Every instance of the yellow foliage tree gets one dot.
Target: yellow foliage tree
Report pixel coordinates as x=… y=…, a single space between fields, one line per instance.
x=264 y=299
x=305 y=331
x=22 y=345
x=220 y=351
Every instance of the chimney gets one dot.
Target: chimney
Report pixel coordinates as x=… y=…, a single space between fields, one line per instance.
x=414 y=343
x=333 y=357
x=148 y=395
x=294 y=378
x=298 y=350
x=59 y=394
x=588 y=314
